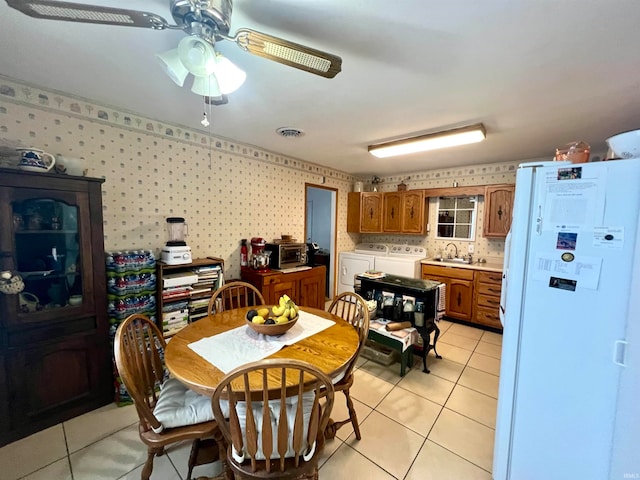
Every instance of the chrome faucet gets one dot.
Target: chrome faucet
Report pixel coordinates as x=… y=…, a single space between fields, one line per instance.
x=454 y=246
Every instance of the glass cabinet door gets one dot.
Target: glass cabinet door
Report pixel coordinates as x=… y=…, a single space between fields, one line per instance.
x=48 y=249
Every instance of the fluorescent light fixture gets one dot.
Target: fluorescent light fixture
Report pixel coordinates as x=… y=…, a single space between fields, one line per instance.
x=431 y=141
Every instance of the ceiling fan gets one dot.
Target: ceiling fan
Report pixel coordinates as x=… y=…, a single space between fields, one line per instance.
x=205 y=21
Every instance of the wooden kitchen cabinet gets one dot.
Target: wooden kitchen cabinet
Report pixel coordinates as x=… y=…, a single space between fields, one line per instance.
x=404 y=212
x=498 y=208
x=306 y=288
x=460 y=299
x=392 y=212
x=472 y=295
x=487 y=288
x=55 y=354
x=364 y=212
x=459 y=292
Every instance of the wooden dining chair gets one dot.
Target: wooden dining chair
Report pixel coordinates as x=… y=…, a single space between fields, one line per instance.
x=272 y=414
x=168 y=411
x=234 y=295
x=352 y=308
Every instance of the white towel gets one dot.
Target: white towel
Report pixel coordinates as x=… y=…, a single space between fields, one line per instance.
x=441 y=301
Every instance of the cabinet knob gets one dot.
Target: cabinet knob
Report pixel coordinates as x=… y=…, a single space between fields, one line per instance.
x=500 y=212
x=411 y=213
x=393 y=212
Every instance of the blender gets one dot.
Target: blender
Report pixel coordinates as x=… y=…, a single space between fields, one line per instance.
x=176 y=251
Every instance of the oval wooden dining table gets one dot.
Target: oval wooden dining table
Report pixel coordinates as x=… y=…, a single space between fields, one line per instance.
x=330 y=350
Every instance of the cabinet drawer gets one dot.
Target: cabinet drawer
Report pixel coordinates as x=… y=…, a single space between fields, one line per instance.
x=490 y=301
x=450 y=272
x=488 y=316
x=489 y=277
x=488 y=289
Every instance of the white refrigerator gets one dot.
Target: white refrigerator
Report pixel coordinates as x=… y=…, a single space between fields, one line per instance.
x=569 y=395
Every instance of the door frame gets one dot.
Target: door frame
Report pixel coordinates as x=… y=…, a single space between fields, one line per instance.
x=334 y=236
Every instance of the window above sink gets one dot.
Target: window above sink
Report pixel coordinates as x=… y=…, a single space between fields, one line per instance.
x=456 y=218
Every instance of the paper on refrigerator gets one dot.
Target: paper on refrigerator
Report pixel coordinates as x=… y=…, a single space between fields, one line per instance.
x=585 y=271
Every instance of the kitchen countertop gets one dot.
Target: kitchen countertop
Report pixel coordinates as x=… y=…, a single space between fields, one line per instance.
x=489 y=266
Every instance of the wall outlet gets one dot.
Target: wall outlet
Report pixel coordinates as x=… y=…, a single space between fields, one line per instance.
x=470 y=248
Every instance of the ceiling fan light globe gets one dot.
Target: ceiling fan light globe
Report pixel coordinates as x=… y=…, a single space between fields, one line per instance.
x=206 y=86
x=197 y=55
x=172 y=66
x=230 y=76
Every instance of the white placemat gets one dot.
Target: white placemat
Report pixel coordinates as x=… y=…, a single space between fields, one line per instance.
x=241 y=345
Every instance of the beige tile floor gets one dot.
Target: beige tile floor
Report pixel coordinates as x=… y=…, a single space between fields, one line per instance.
x=437 y=426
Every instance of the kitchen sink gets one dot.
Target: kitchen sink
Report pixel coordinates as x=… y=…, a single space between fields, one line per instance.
x=466 y=261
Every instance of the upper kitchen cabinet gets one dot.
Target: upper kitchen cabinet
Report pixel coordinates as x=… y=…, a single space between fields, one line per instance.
x=392 y=212
x=498 y=207
x=404 y=212
x=54 y=344
x=364 y=212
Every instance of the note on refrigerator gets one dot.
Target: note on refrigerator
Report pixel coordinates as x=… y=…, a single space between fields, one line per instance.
x=584 y=270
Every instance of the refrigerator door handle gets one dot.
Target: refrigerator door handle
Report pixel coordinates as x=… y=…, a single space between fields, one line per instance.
x=619 y=353
x=505 y=273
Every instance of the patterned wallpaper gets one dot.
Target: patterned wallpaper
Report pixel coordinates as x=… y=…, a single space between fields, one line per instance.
x=154 y=170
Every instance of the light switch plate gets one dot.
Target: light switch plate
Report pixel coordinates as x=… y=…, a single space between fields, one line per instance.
x=470 y=248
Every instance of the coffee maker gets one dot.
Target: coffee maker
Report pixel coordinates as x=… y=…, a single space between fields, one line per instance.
x=259 y=256
x=176 y=251
x=312 y=249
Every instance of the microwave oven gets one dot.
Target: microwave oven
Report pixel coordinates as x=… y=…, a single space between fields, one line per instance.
x=286 y=255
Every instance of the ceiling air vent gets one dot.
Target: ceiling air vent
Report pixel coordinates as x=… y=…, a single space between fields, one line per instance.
x=290 y=132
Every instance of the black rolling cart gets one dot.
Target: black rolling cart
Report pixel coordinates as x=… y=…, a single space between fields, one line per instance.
x=422 y=290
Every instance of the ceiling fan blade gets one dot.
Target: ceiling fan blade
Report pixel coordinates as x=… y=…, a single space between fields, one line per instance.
x=288 y=53
x=76 y=12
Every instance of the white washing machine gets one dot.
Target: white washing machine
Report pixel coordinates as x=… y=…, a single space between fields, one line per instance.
x=363 y=258
x=402 y=260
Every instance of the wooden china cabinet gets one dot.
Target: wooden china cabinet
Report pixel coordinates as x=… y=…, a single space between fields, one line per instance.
x=55 y=360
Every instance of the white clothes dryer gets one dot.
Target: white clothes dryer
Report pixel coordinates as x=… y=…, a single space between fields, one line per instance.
x=363 y=258
x=402 y=260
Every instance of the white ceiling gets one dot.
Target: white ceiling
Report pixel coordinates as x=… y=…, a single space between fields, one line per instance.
x=537 y=73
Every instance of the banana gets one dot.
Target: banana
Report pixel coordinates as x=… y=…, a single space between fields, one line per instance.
x=293 y=308
x=282 y=319
x=286 y=297
x=287 y=312
x=282 y=301
x=278 y=311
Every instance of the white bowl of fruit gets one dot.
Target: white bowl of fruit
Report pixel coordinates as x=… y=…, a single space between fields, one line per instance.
x=274 y=320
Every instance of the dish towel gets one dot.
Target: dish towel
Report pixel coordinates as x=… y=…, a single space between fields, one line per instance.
x=441 y=301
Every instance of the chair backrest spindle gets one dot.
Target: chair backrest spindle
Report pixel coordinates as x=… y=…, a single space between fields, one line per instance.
x=234 y=295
